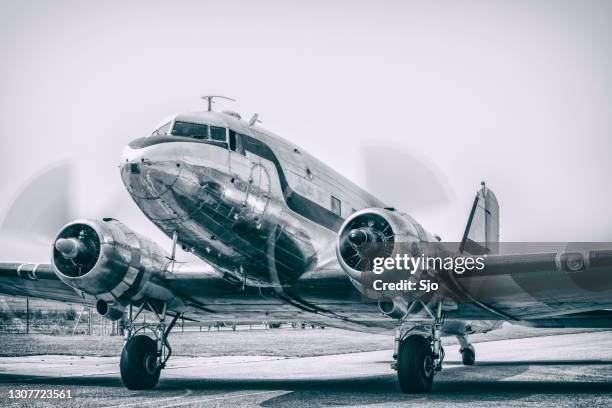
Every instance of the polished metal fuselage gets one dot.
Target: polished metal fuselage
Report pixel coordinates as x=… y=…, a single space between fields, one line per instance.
x=262 y=219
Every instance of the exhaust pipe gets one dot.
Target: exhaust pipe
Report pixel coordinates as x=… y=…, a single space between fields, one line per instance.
x=396 y=309
x=109 y=311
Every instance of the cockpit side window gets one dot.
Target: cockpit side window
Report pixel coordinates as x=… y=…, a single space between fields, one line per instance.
x=162 y=131
x=217 y=133
x=236 y=142
x=186 y=129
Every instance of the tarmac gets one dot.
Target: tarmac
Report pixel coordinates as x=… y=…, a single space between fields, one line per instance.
x=563 y=370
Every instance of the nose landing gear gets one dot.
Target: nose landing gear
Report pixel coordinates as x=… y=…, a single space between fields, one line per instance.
x=143 y=357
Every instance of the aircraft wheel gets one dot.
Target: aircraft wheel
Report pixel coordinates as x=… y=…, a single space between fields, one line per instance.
x=468 y=355
x=138 y=363
x=415 y=365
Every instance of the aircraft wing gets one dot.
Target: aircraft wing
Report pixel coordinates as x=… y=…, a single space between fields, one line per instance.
x=541 y=285
x=36 y=281
x=563 y=262
x=515 y=287
x=204 y=293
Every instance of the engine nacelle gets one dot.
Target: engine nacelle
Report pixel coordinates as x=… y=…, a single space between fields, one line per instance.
x=107 y=260
x=377 y=233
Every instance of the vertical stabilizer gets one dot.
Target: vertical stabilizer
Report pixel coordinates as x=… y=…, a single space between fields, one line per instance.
x=481 y=234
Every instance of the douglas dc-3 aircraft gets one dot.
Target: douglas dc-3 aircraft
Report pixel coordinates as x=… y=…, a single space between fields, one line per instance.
x=282 y=236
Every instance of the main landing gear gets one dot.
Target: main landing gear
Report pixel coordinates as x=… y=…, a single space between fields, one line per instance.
x=419 y=353
x=143 y=357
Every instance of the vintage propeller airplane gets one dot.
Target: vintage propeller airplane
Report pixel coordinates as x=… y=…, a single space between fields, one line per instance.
x=282 y=236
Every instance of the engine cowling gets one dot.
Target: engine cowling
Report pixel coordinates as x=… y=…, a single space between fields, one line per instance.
x=107 y=260
x=373 y=233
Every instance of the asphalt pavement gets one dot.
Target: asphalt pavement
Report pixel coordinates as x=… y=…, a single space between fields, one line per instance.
x=564 y=370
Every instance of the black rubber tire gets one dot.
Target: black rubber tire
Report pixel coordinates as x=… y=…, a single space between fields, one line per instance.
x=468 y=356
x=134 y=373
x=415 y=369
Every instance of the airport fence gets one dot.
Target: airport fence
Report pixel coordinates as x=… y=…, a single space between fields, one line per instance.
x=32 y=316
x=29 y=316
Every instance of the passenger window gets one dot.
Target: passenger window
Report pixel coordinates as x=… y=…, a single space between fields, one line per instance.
x=336 y=205
x=162 y=131
x=186 y=129
x=217 y=133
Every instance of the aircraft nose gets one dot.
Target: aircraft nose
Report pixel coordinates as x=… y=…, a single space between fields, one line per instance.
x=131 y=159
x=148 y=171
x=131 y=163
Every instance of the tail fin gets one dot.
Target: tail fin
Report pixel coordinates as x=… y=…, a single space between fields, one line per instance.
x=481 y=234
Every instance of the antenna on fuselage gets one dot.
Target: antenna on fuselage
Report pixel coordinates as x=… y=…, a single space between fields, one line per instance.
x=209 y=99
x=254 y=119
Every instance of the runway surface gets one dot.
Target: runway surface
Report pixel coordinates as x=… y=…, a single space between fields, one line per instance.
x=566 y=370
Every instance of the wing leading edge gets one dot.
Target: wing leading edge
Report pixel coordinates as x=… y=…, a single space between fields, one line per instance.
x=36 y=281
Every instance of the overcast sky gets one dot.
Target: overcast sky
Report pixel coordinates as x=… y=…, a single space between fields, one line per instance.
x=430 y=98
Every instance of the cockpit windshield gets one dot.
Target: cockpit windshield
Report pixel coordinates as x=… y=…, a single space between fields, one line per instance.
x=214 y=134
x=162 y=131
x=186 y=129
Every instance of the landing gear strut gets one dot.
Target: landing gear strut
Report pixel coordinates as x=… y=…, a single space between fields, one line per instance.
x=143 y=357
x=419 y=353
